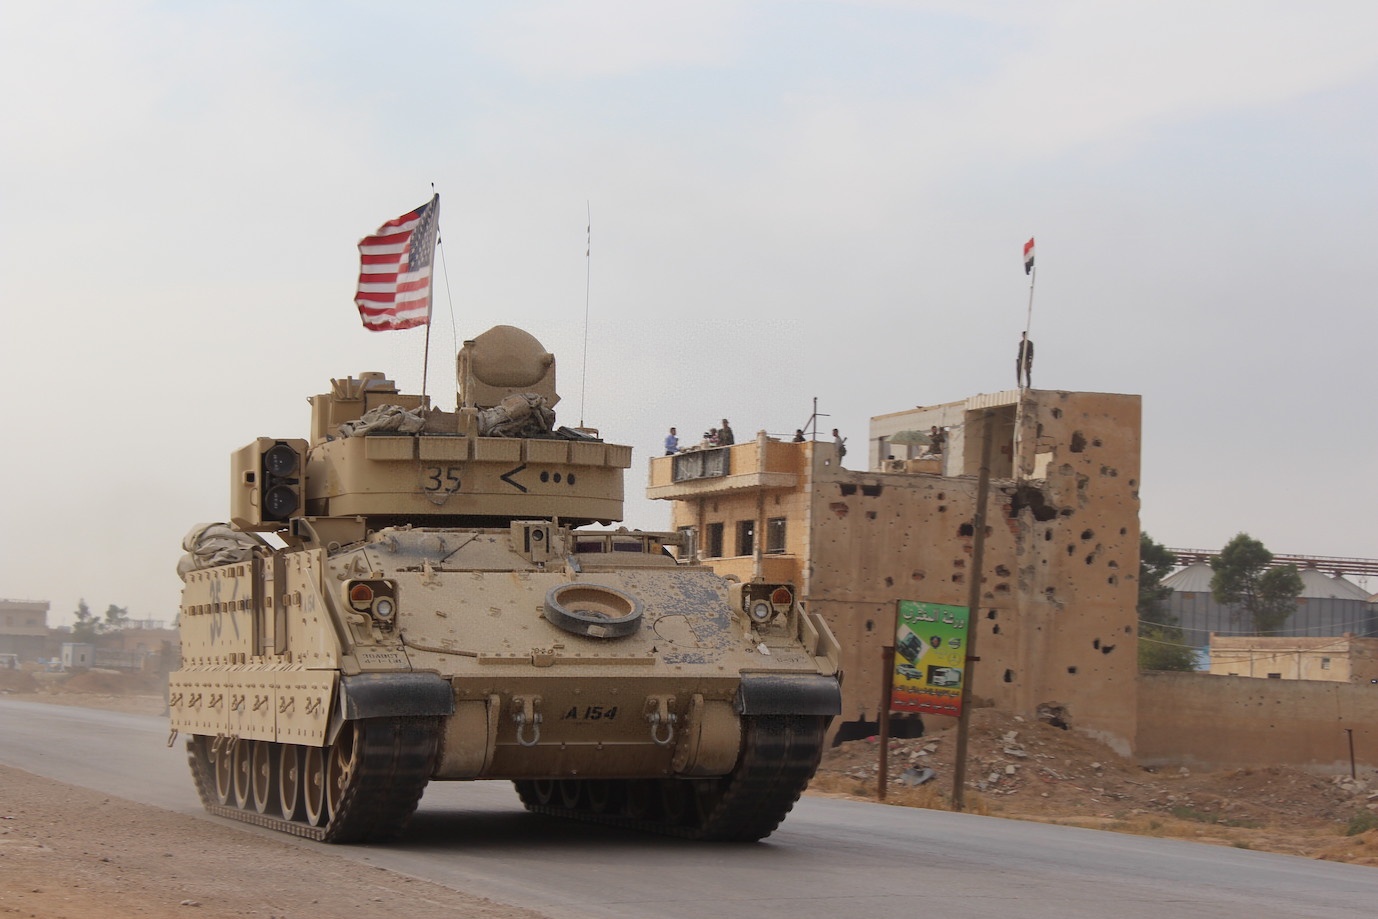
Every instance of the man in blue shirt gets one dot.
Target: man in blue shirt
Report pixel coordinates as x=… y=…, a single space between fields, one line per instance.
x=671 y=443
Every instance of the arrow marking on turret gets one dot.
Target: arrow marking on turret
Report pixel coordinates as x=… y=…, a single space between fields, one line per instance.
x=506 y=477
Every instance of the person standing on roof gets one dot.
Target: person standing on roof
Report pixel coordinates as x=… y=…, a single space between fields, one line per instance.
x=935 y=440
x=1023 y=364
x=671 y=443
x=725 y=435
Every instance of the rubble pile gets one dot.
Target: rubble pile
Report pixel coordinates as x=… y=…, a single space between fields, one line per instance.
x=1022 y=768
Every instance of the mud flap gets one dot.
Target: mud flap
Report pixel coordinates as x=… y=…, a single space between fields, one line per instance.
x=788 y=694
x=391 y=695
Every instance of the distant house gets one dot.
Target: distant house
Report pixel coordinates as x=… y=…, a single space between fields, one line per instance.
x=23 y=628
x=77 y=655
x=1346 y=659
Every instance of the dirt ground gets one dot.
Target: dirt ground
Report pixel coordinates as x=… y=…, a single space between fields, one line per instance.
x=70 y=853
x=1029 y=770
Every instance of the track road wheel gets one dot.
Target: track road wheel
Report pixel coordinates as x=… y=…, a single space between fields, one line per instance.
x=571 y=790
x=264 y=762
x=342 y=761
x=241 y=761
x=677 y=805
x=640 y=799
x=313 y=785
x=604 y=796
x=222 y=753
x=290 y=786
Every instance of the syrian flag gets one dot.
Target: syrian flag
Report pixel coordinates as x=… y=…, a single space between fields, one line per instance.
x=1028 y=256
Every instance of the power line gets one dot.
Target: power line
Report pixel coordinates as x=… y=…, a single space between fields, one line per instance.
x=1356 y=627
x=1337 y=565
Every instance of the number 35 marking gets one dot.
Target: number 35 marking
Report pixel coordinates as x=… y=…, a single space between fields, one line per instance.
x=442 y=479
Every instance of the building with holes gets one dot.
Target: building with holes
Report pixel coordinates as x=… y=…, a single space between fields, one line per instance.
x=1055 y=627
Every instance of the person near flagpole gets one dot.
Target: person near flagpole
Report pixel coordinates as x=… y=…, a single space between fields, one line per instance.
x=1023 y=364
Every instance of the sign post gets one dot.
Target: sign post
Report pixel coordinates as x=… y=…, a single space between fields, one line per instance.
x=887 y=656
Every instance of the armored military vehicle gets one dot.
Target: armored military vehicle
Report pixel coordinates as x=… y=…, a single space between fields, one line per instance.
x=412 y=594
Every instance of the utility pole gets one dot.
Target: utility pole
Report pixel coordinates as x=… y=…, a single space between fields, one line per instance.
x=978 y=551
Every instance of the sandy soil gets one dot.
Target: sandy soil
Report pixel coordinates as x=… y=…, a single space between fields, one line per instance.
x=70 y=853
x=1033 y=771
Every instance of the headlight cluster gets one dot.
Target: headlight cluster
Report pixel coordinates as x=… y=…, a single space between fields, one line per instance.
x=377 y=598
x=763 y=602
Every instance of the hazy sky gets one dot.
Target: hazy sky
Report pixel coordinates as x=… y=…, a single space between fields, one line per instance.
x=789 y=200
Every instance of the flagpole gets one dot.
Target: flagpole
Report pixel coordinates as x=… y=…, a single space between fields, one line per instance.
x=1028 y=319
x=1031 y=268
x=430 y=303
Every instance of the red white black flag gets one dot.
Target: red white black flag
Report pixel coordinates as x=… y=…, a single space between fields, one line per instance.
x=1028 y=256
x=395 y=270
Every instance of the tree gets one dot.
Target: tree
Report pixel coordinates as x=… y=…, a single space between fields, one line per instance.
x=87 y=626
x=116 y=618
x=1246 y=579
x=1155 y=562
x=1161 y=646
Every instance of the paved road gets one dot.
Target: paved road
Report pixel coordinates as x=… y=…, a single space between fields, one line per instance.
x=829 y=859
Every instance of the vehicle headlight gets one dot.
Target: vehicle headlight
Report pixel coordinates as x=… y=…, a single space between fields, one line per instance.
x=375 y=597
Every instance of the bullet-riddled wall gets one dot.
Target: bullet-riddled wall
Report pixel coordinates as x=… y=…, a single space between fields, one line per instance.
x=1055 y=628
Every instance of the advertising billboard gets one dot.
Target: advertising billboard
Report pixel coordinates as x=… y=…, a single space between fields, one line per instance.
x=930 y=658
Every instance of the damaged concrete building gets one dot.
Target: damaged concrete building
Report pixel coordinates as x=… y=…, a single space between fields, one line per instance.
x=1055 y=628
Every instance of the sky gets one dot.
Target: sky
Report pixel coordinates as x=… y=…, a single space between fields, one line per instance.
x=706 y=210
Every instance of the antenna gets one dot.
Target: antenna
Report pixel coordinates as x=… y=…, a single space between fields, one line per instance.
x=588 y=272
x=812 y=424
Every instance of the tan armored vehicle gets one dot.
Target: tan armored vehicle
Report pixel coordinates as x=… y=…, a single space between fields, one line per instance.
x=408 y=596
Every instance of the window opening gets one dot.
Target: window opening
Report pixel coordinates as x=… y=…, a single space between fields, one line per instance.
x=713 y=544
x=746 y=537
x=775 y=535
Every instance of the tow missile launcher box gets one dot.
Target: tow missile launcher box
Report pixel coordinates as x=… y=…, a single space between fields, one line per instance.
x=413 y=594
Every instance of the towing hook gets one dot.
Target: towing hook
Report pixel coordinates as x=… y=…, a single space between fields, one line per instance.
x=658 y=713
x=525 y=714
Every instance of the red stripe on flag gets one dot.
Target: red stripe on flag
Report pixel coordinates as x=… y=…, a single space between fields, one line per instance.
x=394 y=287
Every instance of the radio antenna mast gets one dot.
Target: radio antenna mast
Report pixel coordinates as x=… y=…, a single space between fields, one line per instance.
x=588 y=272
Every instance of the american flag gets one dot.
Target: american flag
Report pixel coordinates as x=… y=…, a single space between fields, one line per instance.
x=395 y=270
